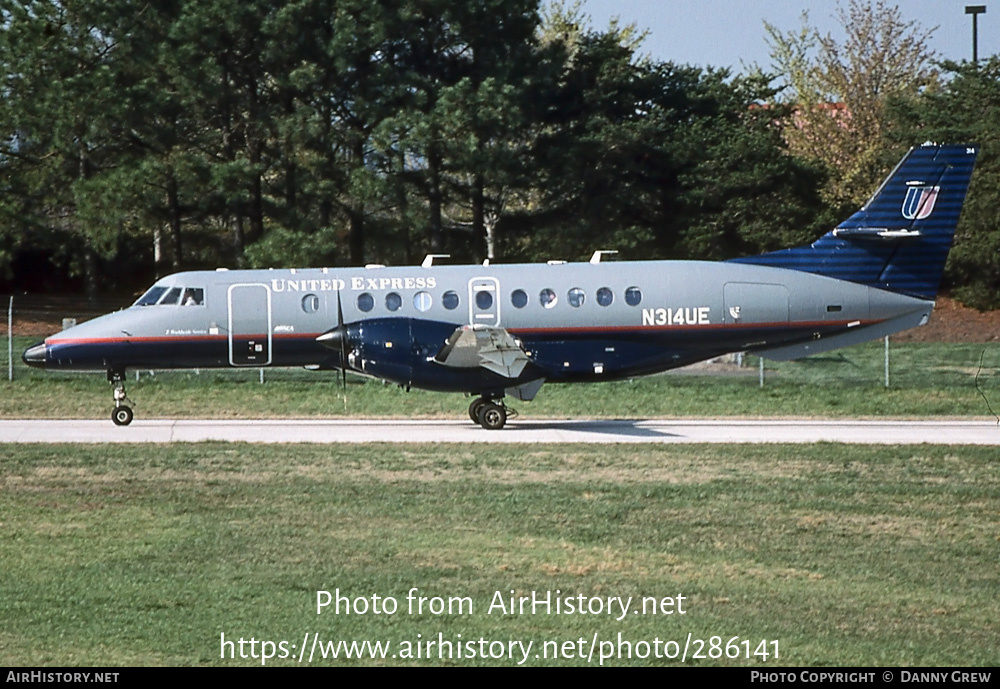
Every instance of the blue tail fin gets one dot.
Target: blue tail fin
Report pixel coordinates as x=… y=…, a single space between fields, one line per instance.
x=900 y=239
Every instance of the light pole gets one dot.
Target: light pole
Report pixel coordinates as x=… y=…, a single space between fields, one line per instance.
x=975 y=11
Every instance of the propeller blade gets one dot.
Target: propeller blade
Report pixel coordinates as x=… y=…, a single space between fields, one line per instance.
x=343 y=346
x=336 y=339
x=340 y=311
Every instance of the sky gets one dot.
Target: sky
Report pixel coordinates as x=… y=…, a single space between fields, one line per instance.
x=730 y=33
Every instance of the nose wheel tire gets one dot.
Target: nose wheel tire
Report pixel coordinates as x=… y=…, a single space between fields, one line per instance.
x=122 y=413
x=492 y=416
x=122 y=416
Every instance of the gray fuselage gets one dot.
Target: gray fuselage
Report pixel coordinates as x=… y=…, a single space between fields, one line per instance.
x=573 y=321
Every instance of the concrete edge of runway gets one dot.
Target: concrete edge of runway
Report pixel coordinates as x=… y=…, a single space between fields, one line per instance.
x=884 y=432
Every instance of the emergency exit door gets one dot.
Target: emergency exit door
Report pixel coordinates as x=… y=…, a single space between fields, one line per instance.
x=484 y=301
x=249 y=325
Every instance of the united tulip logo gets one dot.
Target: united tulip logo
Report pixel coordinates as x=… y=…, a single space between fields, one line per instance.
x=919 y=202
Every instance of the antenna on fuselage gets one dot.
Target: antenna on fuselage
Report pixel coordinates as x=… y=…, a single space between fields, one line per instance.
x=601 y=253
x=428 y=261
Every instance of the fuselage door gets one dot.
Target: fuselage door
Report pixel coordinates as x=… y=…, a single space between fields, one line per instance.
x=484 y=301
x=752 y=303
x=249 y=325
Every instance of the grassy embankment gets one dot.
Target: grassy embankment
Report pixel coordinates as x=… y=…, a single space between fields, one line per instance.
x=843 y=555
x=926 y=380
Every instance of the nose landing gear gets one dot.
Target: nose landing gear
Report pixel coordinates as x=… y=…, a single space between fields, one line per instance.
x=122 y=413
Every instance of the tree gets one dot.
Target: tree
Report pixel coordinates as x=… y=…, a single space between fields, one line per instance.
x=663 y=161
x=744 y=192
x=318 y=132
x=840 y=90
x=481 y=114
x=63 y=123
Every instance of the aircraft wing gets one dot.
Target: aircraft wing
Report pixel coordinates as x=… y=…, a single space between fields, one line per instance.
x=489 y=347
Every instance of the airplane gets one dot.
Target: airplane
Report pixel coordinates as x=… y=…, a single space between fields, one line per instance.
x=501 y=331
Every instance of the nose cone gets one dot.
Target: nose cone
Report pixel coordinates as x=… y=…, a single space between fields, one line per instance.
x=35 y=356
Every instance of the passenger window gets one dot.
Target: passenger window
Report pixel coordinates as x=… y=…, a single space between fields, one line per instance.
x=484 y=299
x=519 y=298
x=366 y=302
x=449 y=300
x=422 y=301
x=548 y=298
x=310 y=303
x=633 y=295
x=605 y=296
x=576 y=297
x=393 y=301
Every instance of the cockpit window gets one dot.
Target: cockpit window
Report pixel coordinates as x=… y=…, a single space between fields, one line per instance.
x=151 y=296
x=171 y=297
x=193 y=296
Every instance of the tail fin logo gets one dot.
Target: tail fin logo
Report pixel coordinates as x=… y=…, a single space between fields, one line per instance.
x=919 y=202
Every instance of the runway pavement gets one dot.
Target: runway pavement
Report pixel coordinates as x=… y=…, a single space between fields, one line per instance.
x=965 y=432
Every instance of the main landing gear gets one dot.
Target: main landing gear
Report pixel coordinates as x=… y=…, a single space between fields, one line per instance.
x=489 y=413
x=122 y=413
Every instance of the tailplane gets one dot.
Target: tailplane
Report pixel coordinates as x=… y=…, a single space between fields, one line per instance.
x=900 y=239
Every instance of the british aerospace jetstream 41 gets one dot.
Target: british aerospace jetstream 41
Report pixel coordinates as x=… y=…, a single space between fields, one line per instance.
x=503 y=330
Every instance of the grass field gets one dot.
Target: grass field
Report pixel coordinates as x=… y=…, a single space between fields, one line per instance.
x=925 y=380
x=836 y=555
x=833 y=554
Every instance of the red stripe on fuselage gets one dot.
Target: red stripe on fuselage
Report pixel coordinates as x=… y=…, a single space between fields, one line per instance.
x=175 y=338
x=514 y=331
x=710 y=326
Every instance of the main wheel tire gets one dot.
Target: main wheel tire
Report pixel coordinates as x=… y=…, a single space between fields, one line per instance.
x=492 y=416
x=475 y=408
x=122 y=416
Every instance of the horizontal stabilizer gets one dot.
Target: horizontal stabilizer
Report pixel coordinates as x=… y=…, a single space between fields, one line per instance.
x=851 y=337
x=875 y=233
